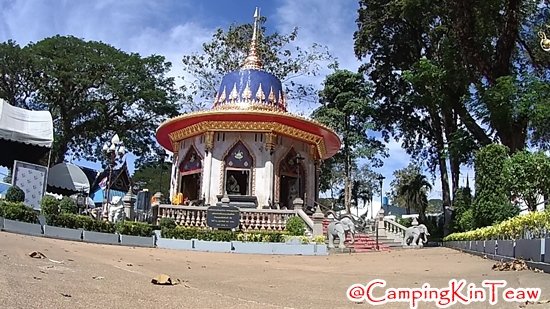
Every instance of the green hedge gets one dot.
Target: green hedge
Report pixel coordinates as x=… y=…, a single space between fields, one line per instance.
x=134 y=228
x=180 y=232
x=73 y=221
x=17 y=211
x=536 y=223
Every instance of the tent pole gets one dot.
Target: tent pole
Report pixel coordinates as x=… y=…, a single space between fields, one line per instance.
x=49 y=157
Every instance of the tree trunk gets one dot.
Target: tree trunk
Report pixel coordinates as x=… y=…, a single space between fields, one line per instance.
x=347 y=165
x=442 y=162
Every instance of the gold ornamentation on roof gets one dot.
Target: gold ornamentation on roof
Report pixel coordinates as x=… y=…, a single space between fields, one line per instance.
x=281 y=99
x=260 y=95
x=252 y=61
x=234 y=95
x=247 y=94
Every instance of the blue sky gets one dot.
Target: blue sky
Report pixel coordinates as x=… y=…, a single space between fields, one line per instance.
x=173 y=28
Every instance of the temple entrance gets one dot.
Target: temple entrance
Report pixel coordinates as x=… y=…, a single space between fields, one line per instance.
x=190 y=186
x=190 y=170
x=291 y=179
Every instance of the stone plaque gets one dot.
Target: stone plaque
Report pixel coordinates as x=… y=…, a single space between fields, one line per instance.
x=223 y=217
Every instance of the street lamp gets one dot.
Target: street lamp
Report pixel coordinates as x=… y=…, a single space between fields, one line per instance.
x=380 y=214
x=381 y=179
x=111 y=151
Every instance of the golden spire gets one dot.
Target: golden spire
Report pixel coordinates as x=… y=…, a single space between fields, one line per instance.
x=252 y=61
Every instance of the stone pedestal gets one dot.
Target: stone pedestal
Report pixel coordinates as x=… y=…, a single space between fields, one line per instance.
x=318 y=218
x=128 y=201
x=298 y=203
x=155 y=206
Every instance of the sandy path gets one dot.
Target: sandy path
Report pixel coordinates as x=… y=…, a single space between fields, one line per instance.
x=213 y=280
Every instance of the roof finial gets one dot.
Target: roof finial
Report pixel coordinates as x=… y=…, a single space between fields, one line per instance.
x=252 y=61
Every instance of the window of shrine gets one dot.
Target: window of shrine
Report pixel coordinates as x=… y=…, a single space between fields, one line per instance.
x=238 y=170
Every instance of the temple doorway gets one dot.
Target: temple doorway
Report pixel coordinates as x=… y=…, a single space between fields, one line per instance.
x=190 y=186
x=190 y=170
x=291 y=179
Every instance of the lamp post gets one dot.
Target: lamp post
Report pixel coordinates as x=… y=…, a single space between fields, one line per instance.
x=111 y=151
x=380 y=214
x=162 y=154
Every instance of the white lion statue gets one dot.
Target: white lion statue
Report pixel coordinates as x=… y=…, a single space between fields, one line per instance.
x=116 y=209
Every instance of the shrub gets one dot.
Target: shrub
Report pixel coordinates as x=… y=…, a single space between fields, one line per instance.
x=15 y=194
x=68 y=205
x=532 y=225
x=295 y=226
x=320 y=239
x=267 y=236
x=73 y=221
x=181 y=232
x=134 y=228
x=492 y=199
x=49 y=206
x=167 y=223
x=406 y=222
x=17 y=211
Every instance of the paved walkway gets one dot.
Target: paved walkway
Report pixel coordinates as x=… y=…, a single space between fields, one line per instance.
x=212 y=280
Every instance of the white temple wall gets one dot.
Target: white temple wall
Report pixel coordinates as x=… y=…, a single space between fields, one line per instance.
x=261 y=173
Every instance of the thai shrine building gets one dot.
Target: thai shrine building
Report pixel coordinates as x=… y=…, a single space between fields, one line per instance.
x=247 y=145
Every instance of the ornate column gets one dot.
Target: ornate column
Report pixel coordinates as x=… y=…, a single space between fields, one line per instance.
x=207 y=168
x=270 y=141
x=174 y=175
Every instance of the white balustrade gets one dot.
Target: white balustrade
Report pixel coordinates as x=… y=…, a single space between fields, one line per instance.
x=394 y=230
x=251 y=219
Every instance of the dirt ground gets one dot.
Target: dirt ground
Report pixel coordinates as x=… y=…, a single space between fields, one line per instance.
x=78 y=275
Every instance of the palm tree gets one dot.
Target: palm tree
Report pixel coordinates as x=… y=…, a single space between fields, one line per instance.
x=415 y=194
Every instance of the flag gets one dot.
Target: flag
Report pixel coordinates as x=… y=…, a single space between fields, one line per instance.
x=103 y=183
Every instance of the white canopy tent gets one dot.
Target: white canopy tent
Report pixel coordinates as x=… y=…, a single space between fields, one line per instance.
x=25 y=135
x=26 y=126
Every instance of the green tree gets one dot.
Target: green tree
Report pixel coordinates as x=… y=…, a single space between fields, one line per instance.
x=93 y=90
x=414 y=192
x=153 y=176
x=452 y=76
x=365 y=185
x=401 y=177
x=527 y=176
x=492 y=199
x=331 y=175
x=347 y=109
x=418 y=83
x=228 y=49
x=463 y=213
x=478 y=46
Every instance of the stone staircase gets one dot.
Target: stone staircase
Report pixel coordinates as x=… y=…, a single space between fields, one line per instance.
x=364 y=242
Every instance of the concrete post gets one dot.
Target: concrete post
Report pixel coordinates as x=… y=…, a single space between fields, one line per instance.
x=225 y=200
x=381 y=229
x=298 y=203
x=155 y=207
x=128 y=201
x=318 y=218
